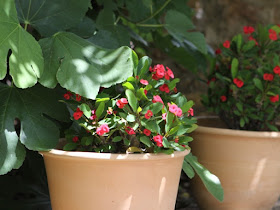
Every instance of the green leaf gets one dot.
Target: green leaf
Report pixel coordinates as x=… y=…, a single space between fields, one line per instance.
x=86 y=110
x=248 y=46
x=146 y=140
x=51 y=16
x=211 y=182
x=70 y=146
x=130 y=118
x=132 y=100
x=239 y=40
x=126 y=142
x=193 y=127
x=165 y=142
x=140 y=94
x=186 y=107
x=82 y=67
x=234 y=67
x=156 y=107
x=85 y=28
x=239 y=106
x=173 y=130
x=151 y=125
x=185 y=139
x=169 y=121
x=143 y=66
x=100 y=109
x=117 y=139
x=188 y=169
x=258 y=83
x=87 y=140
x=26 y=61
x=36 y=131
x=242 y=122
x=128 y=85
x=172 y=84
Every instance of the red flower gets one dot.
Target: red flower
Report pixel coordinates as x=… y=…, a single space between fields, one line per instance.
x=272 y=34
x=223 y=98
x=164 y=88
x=102 y=129
x=218 y=51
x=226 y=44
x=248 y=29
x=268 y=77
x=67 y=95
x=274 y=99
x=175 y=90
x=211 y=80
x=122 y=102
x=78 y=114
x=190 y=112
x=147 y=132
x=146 y=92
x=144 y=82
x=159 y=71
x=149 y=114
x=253 y=39
x=276 y=70
x=239 y=83
x=168 y=74
x=158 y=140
x=78 y=97
x=75 y=139
x=129 y=131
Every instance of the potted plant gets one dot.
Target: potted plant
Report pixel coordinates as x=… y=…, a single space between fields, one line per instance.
x=242 y=146
x=125 y=147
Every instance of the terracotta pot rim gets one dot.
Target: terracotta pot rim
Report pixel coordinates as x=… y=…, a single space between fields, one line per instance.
x=230 y=132
x=110 y=156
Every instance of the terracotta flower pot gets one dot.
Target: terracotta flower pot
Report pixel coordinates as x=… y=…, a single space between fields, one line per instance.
x=104 y=181
x=246 y=162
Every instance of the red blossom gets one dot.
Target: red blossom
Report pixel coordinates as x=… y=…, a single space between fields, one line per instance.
x=276 y=70
x=268 y=77
x=158 y=140
x=78 y=97
x=147 y=132
x=145 y=91
x=102 y=129
x=78 y=114
x=144 y=82
x=175 y=90
x=218 y=51
x=223 y=98
x=274 y=99
x=190 y=112
x=239 y=83
x=149 y=114
x=253 y=39
x=67 y=95
x=226 y=44
x=164 y=88
x=122 y=102
x=248 y=29
x=159 y=71
x=168 y=74
x=75 y=139
x=129 y=131
x=272 y=34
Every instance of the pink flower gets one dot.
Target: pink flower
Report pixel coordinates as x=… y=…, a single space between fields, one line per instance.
x=164 y=88
x=190 y=112
x=122 y=102
x=93 y=117
x=102 y=129
x=144 y=82
x=168 y=74
x=75 y=139
x=149 y=114
x=129 y=131
x=179 y=112
x=156 y=99
x=147 y=132
x=158 y=140
x=164 y=116
x=173 y=108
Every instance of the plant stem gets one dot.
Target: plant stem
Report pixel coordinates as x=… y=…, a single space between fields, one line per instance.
x=155 y=13
x=150 y=25
x=25 y=27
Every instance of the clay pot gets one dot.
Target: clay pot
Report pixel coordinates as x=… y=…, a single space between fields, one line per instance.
x=104 y=181
x=246 y=162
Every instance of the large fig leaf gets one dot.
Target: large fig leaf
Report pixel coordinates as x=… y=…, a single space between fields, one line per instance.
x=26 y=61
x=83 y=67
x=36 y=131
x=51 y=16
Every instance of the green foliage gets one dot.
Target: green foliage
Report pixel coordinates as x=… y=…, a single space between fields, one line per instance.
x=244 y=85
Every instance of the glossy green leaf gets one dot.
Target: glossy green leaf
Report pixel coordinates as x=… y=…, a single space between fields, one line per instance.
x=132 y=100
x=86 y=110
x=165 y=142
x=82 y=67
x=185 y=139
x=146 y=140
x=156 y=107
x=188 y=169
x=100 y=109
x=130 y=118
x=51 y=16
x=234 y=67
x=172 y=84
x=70 y=146
x=248 y=46
x=26 y=61
x=210 y=181
x=186 y=107
x=128 y=85
x=193 y=127
x=143 y=66
x=140 y=94
x=117 y=139
x=37 y=132
x=258 y=83
x=169 y=121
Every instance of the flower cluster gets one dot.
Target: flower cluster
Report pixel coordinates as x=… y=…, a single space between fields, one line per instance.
x=143 y=114
x=243 y=87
